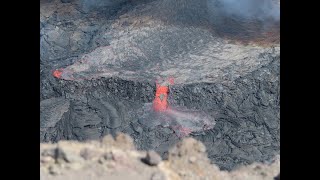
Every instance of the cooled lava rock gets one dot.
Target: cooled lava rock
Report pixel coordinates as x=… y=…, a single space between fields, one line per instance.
x=108 y=56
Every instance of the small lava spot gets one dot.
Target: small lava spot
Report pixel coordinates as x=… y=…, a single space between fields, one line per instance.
x=57 y=73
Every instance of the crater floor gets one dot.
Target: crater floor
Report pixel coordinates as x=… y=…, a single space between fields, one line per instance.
x=99 y=64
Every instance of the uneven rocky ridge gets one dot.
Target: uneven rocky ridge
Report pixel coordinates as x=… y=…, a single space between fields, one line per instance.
x=117 y=159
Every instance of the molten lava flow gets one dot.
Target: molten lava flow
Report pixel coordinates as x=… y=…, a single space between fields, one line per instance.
x=181 y=120
x=160 y=102
x=57 y=73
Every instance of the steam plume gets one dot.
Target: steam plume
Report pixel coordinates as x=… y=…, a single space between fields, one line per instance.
x=248 y=9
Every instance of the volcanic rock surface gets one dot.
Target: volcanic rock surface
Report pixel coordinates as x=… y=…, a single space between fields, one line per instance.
x=108 y=55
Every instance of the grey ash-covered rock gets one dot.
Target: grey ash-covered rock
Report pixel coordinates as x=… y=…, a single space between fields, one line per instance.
x=110 y=56
x=152 y=158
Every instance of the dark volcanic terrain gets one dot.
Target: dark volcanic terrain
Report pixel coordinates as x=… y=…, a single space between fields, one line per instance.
x=106 y=56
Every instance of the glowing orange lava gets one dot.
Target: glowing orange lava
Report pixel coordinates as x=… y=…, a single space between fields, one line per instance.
x=160 y=102
x=57 y=73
